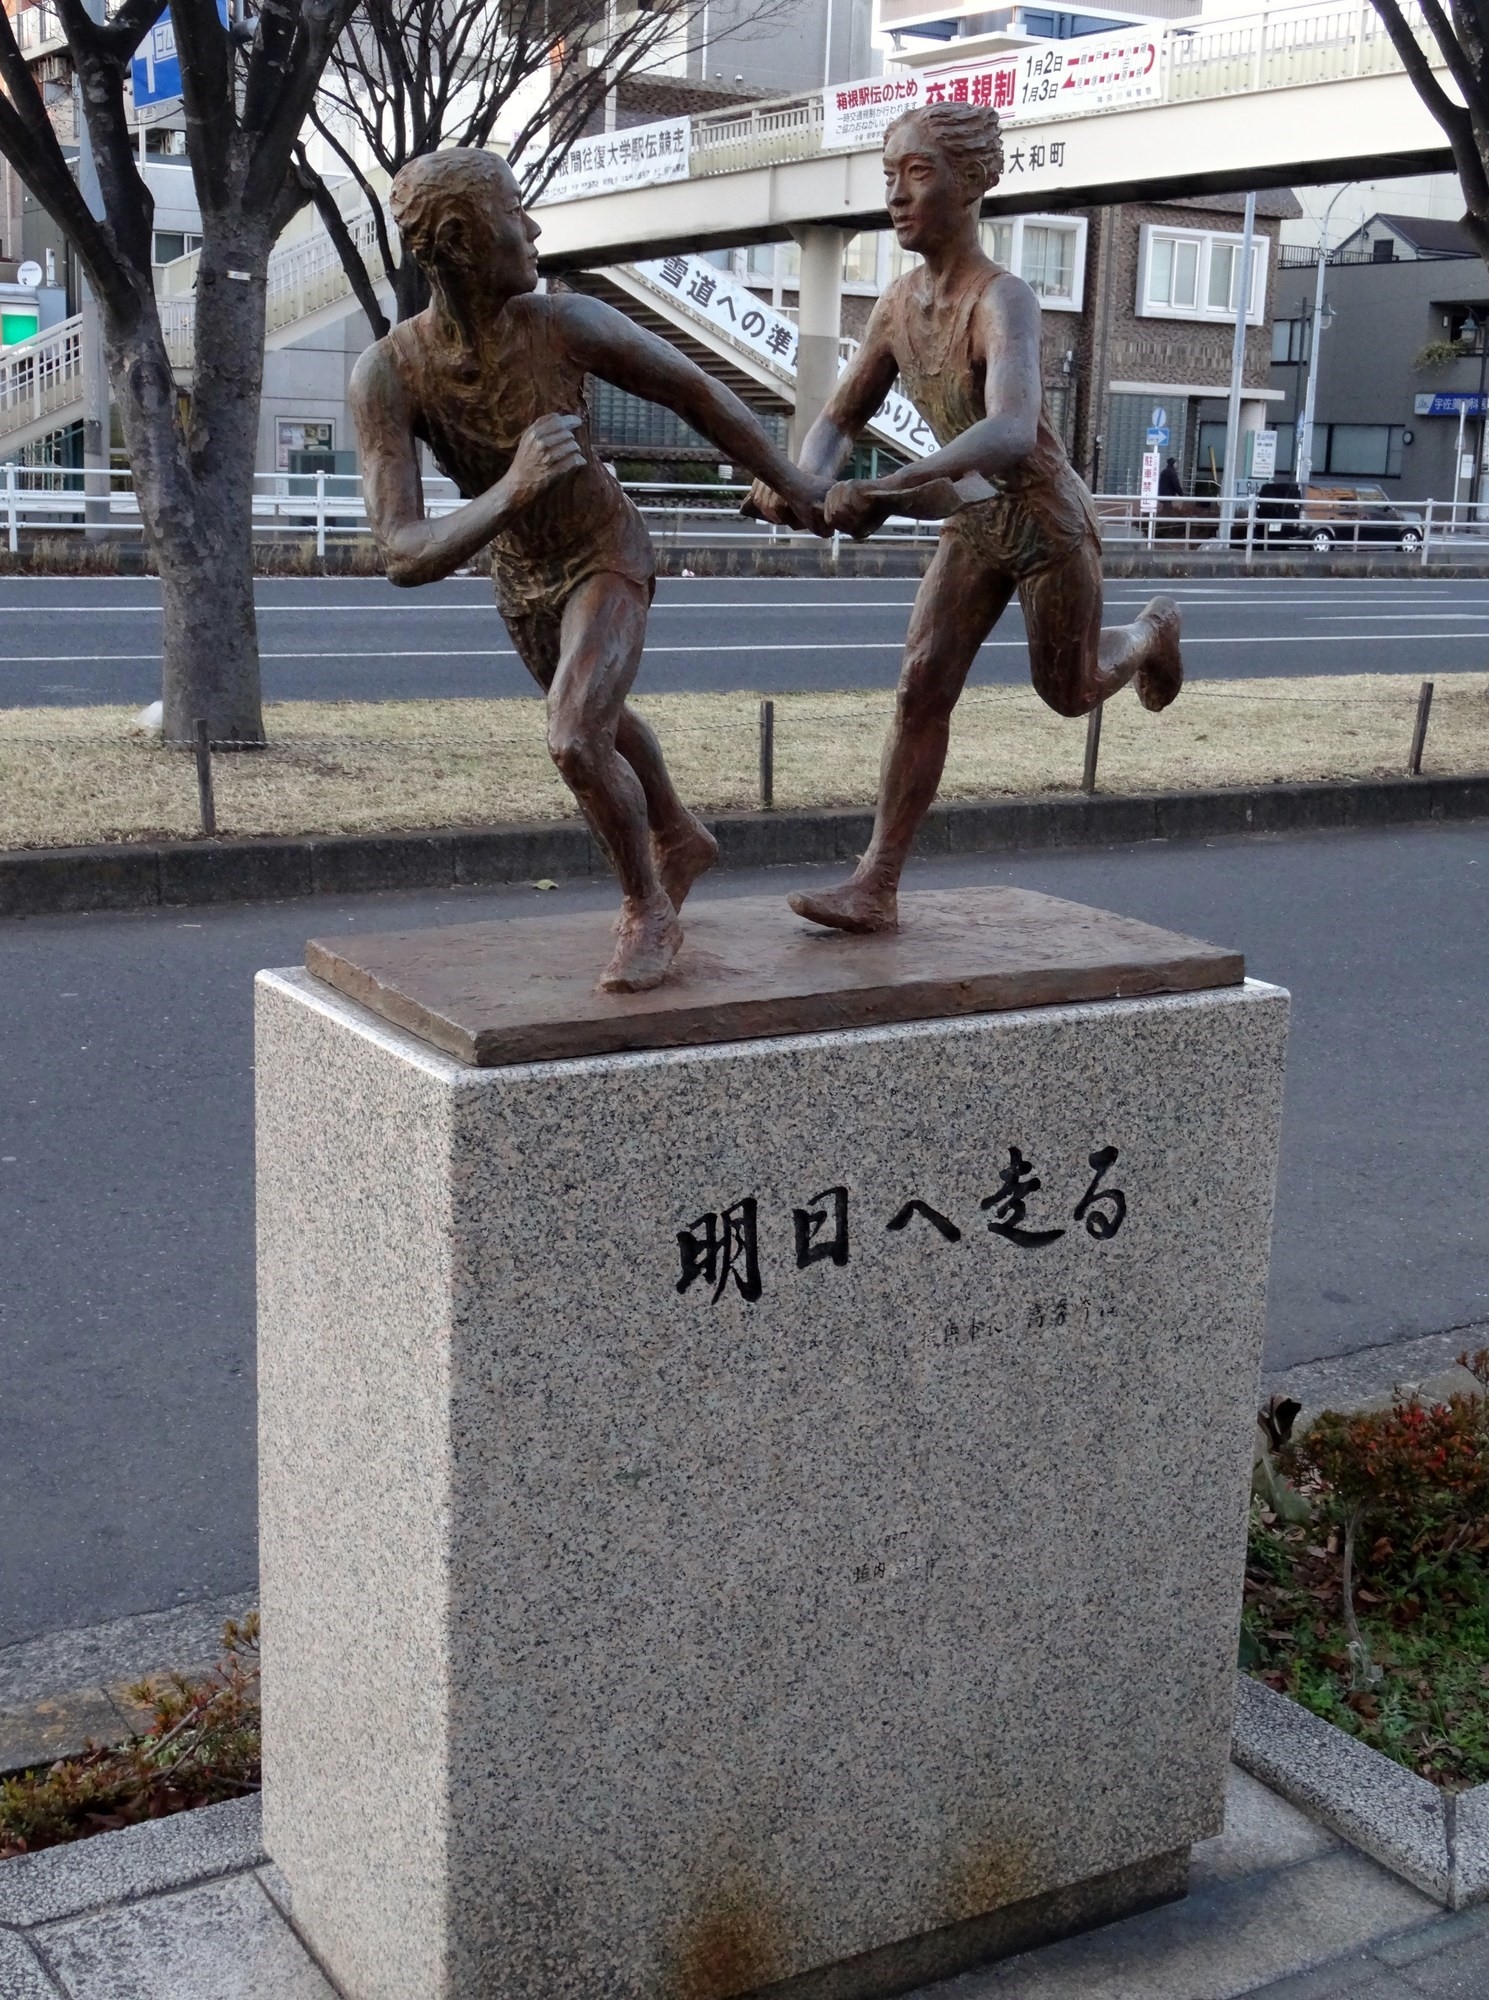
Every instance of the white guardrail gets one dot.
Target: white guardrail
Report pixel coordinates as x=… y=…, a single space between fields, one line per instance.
x=327 y=506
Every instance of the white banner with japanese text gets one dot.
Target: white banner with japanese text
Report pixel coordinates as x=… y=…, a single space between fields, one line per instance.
x=639 y=156
x=856 y=116
x=703 y=289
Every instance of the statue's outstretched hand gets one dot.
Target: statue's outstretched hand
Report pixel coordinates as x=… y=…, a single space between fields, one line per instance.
x=857 y=507
x=548 y=450
x=800 y=508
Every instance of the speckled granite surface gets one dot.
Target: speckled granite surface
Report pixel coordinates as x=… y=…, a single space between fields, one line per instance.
x=707 y=1635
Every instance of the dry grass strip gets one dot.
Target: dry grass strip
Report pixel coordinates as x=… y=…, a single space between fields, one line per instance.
x=70 y=776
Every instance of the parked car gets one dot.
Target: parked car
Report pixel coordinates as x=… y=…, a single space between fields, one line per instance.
x=1325 y=515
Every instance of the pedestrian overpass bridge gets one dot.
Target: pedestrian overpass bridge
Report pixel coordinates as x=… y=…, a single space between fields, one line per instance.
x=1290 y=94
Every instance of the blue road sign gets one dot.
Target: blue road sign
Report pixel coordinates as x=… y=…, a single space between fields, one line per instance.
x=156 y=69
x=1158 y=435
x=1449 y=403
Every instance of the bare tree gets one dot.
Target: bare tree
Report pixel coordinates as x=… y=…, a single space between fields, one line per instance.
x=247 y=92
x=1462 y=38
x=411 y=76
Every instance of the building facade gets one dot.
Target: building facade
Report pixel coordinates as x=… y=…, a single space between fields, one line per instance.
x=1405 y=341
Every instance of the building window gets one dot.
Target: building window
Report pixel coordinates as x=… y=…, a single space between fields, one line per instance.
x=1196 y=274
x=1173 y=273
x=173 y=243
x=161 y=147
x=861 y=258
x=1047 y=251
x=1360 y=451
x=1290 y=341
x=1048 y=261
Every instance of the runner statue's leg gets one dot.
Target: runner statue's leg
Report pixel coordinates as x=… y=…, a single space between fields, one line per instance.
x=1075 y=662
x=959 y=601
x=682 y=846
x=600 y=639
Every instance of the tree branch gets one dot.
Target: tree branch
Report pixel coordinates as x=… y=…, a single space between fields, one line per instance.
x=1419 y=69
x=1459 y=67
x=320 y=26
x=208 y=96
x=352 y=261
x=30 y=144
x=130 y=25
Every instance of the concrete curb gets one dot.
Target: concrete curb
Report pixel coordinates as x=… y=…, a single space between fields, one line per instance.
x=62 y=880
x=1439 y=1841
x=136 y=1861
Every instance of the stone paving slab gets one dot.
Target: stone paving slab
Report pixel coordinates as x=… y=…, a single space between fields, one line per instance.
x=21 y=1976
x=225 y=1940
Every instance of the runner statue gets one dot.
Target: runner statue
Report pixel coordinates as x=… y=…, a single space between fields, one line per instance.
x=491 y=378
x=962 y=335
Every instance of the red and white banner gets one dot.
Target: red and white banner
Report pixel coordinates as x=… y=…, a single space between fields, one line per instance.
x=1047 y=80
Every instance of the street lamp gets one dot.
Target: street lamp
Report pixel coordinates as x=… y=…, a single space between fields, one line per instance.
x=1305 y=430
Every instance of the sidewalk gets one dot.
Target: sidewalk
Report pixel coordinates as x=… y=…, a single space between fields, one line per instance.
x=190 y=1908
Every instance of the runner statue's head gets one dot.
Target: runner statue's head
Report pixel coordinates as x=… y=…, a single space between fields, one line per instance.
x=461 y=218
x=939 y=162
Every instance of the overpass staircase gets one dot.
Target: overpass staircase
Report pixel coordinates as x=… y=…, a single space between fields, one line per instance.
x=41 y=379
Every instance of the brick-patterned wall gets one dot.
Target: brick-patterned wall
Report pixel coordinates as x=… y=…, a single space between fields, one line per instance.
x=1147 y=350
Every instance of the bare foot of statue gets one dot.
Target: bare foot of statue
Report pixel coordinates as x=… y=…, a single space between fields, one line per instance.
x=861 y=907
x=682 y=857
x=1161 y=674
x=648 y=936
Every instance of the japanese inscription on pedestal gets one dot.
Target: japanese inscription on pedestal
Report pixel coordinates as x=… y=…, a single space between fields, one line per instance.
x=721 y=1247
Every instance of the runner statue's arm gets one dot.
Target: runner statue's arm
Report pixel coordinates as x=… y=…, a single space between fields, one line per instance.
x=614 y=347
x=417 y=550
x=1006 y=333
x=857 y=393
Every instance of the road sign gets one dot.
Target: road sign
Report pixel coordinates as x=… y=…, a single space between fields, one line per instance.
x=1159 y=418
x=29 y=274
x=1148 y=503
x=1448 y=403
x=1263 y=455
x=1157 y=435
x=155 y=71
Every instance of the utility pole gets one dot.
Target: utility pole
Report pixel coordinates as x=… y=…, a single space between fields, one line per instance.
x=1304 y=471
x=97 y=408
x=1237 y=372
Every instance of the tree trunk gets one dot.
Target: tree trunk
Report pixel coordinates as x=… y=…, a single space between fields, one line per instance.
x=195 y=490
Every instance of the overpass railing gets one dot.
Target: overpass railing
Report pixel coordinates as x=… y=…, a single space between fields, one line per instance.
x=319 y=508
x=1273 y=48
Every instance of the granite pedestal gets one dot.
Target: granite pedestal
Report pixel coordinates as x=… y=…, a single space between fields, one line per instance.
x=764 y=1517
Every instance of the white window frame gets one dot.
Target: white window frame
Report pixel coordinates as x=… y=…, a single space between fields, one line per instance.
x=1206 y=241
x=1077 y=225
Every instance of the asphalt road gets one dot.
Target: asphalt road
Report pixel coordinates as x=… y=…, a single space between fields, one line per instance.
x=70 y=641
x=126 y=1149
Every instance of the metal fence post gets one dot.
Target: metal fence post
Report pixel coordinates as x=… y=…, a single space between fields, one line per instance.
x=204 y=779
x=12 y=542
x=320 y=513
x=1093 y=745
x=1250 y=527
x=1426 y=534
x=767 y=755
x=1419 y=733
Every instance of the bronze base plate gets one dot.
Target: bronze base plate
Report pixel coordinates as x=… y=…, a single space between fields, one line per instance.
x=524 y=990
